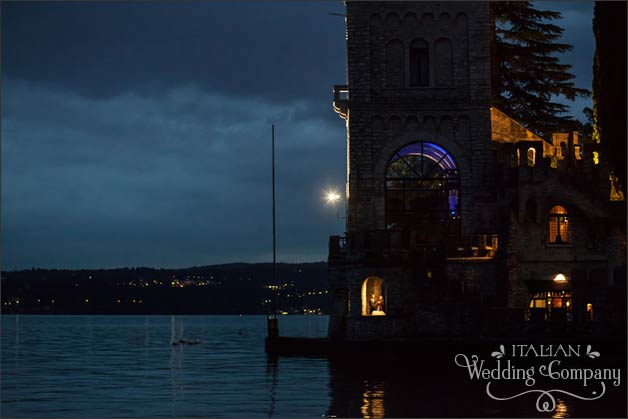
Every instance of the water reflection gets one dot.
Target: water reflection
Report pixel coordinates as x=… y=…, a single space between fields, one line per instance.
x=426 y=385
x=271 y=373
x=373 y=400
x=126 y=366
x=561 y=410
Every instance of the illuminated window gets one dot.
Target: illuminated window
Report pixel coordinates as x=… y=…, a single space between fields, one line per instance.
x=422 y=192
x=419 y=63
x=548 y=305
x=373 y=300
x=596 y=157
x=589 y=311
x=531 y=157
x=559 y=232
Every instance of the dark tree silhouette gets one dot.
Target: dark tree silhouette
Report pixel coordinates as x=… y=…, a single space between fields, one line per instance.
x=609 y=85
x=526 y=73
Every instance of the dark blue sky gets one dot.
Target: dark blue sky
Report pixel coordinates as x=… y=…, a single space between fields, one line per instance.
x=139 y=133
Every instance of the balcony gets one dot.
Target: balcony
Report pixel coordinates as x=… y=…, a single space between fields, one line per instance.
x=394 y=247
x=341 y=100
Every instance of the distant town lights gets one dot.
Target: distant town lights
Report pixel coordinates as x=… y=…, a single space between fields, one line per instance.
x=560 y=278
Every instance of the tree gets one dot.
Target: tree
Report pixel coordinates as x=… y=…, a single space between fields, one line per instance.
x=609 y=86
x=527 y=76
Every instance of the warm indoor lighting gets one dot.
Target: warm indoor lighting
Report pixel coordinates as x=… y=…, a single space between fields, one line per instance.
x=560 y=278
x=332 y=197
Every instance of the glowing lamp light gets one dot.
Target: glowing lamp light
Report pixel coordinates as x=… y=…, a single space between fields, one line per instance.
x=332 y=197
x=560 y=278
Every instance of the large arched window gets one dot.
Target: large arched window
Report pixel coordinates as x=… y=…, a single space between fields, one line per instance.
x=422 y=192
x=559 y=231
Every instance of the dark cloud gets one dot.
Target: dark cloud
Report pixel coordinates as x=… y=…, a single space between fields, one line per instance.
x=178 y=181
x=278 y=51
x=139 y=133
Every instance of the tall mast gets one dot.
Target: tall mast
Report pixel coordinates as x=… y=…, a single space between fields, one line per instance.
x=274 y=234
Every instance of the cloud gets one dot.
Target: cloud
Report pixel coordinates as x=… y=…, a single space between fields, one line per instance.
x=281 y=51
x=172 y=181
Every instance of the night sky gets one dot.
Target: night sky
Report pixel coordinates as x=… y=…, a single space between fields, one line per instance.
x=138 y=134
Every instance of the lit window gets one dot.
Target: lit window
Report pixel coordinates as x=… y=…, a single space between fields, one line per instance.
x=559 y=232
x=373 y=302
x=548 y=305
x=589 y=311
x=531 y=157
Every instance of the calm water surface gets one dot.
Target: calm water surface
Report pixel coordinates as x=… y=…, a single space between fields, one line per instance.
x=126 y=366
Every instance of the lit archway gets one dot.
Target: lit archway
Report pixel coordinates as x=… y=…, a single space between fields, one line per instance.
x=373 y=298
x=531 y=157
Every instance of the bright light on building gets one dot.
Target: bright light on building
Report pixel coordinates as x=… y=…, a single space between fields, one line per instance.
x=560 y=278
x=332 y=197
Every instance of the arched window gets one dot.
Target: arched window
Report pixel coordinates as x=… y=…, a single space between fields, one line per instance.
x=559 y=232
x=373 y=299
x=395 y=65
x=531 y=157
x=419 y=63
x=422 y=192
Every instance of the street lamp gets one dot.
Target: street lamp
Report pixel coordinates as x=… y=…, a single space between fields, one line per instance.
x=332 y=197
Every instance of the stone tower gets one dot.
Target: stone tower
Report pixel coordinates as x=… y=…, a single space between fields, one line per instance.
x=459 y=219
x=419 y=159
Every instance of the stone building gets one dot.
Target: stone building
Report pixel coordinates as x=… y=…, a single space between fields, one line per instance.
x=459 y=220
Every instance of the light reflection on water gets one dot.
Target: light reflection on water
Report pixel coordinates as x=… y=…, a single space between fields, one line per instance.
x=561 y=411
x=373 y=400
x=126 y=366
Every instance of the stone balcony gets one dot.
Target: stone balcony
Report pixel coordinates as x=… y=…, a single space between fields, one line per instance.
x=384 y=247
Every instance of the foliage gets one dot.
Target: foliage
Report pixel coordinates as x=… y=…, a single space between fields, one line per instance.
x=527 y=75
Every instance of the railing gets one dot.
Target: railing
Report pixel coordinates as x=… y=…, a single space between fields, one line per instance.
x=341 y=100
x=374 y=244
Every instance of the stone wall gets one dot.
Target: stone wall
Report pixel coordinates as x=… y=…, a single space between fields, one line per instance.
x=453 y=111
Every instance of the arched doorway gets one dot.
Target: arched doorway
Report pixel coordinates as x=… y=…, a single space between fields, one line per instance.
x=422 y=193
x=373 y=297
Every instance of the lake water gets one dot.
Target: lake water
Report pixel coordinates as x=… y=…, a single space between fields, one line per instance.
x=126 y=366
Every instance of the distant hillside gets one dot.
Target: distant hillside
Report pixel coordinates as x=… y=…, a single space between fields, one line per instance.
x=235 y=288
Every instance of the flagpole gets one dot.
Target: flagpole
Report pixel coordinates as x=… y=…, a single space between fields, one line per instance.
x=273 y=327
x=274 y=232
